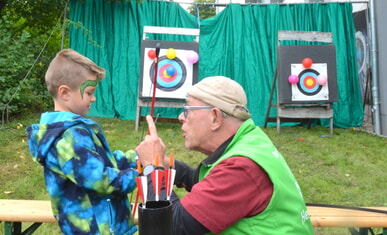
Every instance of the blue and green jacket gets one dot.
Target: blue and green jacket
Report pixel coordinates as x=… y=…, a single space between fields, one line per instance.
x=88 y=184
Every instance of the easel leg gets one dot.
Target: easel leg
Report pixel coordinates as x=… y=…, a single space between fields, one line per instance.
x=271 y=98
x=331 y=126
x=138 y=117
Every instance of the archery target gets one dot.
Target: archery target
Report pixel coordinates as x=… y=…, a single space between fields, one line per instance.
x=165 y=81
x=315 y=81
x=308 y=88
x=175 y=74
x=362 y=51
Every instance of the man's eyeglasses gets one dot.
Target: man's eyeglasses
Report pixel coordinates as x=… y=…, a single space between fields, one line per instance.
x=186 y=108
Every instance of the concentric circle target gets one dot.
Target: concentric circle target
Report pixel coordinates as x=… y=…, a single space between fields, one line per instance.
x=307 y=83
x=167 y=82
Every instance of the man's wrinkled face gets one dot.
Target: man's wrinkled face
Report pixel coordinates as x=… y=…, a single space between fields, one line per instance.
x=196 y=124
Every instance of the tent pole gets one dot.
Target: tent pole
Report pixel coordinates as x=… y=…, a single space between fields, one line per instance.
x=374 y=69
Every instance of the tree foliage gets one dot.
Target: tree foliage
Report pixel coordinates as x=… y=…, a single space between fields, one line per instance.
x=31 y=35
x=14 y=61
x=39 y=15
x=203 y=9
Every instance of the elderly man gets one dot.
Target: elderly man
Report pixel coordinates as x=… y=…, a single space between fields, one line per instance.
x=244 y=186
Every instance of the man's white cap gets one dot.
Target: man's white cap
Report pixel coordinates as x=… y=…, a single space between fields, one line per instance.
x=223 y=93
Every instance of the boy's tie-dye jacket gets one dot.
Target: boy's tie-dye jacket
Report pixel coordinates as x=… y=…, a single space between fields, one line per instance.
x=87 y=183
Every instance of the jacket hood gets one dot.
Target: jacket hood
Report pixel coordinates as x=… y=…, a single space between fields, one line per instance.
x=52 y=125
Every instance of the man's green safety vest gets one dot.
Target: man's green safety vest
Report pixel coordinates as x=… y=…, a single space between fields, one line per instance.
x=286 y=213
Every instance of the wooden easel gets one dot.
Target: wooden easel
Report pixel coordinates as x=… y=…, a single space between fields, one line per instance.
x=146 y=102
x=300 y=111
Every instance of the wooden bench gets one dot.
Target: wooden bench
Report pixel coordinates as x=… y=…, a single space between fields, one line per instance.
x=14 y=212
x=363 y=218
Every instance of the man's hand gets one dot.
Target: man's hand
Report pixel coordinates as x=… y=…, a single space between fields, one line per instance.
x=151 y=147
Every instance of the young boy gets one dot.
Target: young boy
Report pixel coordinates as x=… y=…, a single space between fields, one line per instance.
x=87 y=183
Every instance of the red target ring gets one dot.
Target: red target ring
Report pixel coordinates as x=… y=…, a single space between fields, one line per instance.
x=164 y=76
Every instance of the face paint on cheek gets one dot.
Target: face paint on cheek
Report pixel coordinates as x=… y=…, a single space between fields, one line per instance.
x=88 y=83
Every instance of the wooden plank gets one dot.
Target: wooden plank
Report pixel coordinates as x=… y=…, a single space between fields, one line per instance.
x=158 y=103
x=305 y=112
x=161 y=103
x=302 y=120
x=171 y=30
x=338 y=217
x=40 y=211
x=311 y=36
x=26 y=211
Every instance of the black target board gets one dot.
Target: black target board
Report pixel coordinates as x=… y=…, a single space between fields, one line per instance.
x=307 y=74
x=177 y=68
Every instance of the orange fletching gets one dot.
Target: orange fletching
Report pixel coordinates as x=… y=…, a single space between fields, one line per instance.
x=171 y=156
x=139 y=168
x=157 y=161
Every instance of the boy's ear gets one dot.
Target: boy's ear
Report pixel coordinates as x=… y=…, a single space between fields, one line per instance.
x=64 y=92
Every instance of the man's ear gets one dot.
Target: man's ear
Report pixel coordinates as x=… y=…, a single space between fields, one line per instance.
x=64 y=92
x=217 y=118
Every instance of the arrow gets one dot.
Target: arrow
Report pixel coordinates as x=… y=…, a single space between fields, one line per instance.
x=170 y=177
x=139 y=187
x=155 y=79
x=157 y=179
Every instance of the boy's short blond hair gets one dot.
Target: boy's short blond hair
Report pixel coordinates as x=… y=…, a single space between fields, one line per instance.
x=70 y=68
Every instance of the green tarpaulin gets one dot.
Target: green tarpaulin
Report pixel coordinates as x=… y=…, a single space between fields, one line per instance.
x=240 y=42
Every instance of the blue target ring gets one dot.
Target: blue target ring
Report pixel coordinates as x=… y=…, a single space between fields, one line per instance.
x=164 y=81
x=307 y=83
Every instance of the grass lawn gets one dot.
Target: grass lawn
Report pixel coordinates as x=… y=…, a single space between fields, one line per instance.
x=348 y=168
